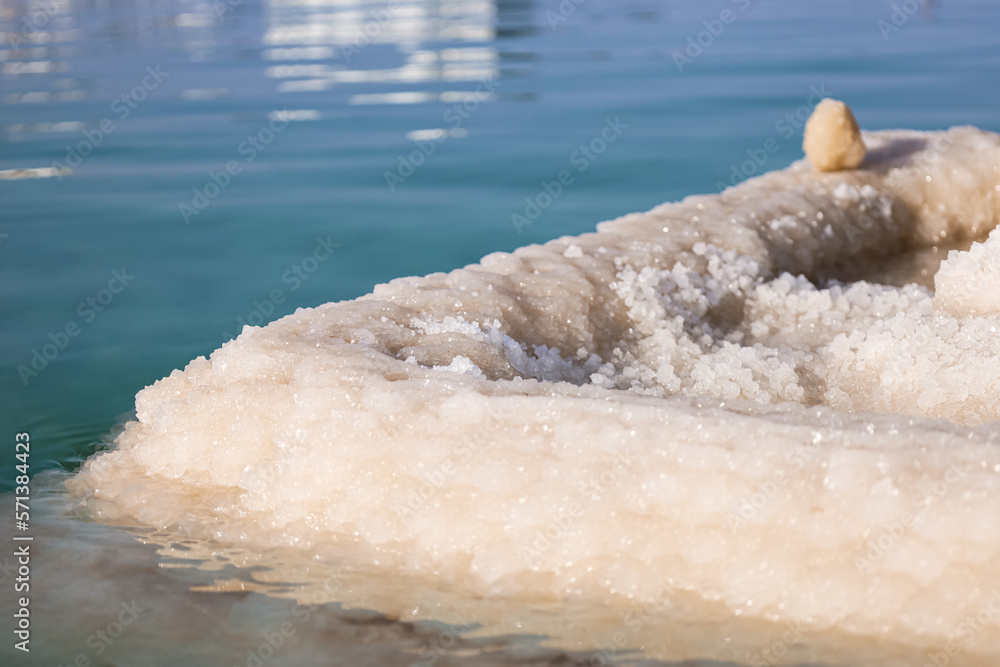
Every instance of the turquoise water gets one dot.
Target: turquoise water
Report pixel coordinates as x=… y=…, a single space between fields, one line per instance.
x=556 y=75
x=229 y=162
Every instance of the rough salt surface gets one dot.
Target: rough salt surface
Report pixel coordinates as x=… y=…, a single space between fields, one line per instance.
x=969 y=282
x=705 y=394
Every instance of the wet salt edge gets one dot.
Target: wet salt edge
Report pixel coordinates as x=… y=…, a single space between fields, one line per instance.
x=706 y=406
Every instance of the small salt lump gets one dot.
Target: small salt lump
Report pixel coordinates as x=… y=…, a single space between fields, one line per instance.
x=832 y=139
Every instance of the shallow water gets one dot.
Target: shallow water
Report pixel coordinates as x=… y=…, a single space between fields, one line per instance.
x=324 y=175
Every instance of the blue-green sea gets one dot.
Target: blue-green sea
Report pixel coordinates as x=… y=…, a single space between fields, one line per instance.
x=173 y=170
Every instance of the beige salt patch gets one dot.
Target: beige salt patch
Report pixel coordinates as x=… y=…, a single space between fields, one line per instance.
x=832 y=139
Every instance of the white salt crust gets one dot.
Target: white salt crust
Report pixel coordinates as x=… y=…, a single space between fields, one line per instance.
x=702 y=395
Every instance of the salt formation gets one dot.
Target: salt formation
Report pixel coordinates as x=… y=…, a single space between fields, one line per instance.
x=969 y=282
x=832 y=139
x=708 y=395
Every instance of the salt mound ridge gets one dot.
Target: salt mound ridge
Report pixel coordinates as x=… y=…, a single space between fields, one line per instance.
x=704 y=394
